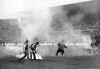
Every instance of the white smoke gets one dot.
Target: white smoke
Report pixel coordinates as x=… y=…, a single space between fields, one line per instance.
x=39 y=23
x=35 y=23
x=10 y=50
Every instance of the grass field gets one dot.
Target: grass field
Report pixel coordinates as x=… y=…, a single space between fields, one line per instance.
x=83 y=62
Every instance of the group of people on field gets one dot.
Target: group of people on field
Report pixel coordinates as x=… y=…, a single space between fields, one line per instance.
x=29 y=51
x=33 y=51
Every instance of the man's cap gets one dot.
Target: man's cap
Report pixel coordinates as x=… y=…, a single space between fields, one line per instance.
x=37 y=42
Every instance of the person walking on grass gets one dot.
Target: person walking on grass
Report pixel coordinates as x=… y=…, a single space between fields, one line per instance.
x=26 y=51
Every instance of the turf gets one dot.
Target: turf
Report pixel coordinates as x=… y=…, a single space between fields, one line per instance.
x=83 y=62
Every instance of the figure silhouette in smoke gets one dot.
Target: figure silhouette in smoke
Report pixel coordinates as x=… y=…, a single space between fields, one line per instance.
x=61 y=47
x=26 y=51
x=33 y=50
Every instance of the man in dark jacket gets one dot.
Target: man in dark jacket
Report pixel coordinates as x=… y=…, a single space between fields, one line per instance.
x=33 y=50
x=26 y=54
x=61 y=47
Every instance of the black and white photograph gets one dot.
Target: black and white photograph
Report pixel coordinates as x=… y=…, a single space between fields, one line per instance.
x=49 y=34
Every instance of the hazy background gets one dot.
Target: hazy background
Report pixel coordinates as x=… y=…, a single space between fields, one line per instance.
x=74 y=23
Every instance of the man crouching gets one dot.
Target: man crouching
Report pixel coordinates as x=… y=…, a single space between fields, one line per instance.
x=61 y=47
x=33 y=50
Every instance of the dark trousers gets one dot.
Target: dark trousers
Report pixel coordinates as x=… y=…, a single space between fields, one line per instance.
x=25 y=55
x=33 y=53
x=60 y=50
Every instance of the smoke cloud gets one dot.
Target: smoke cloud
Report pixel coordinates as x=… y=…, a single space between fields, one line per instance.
x=35 y=23
x=53 y=25
x=63 y=29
